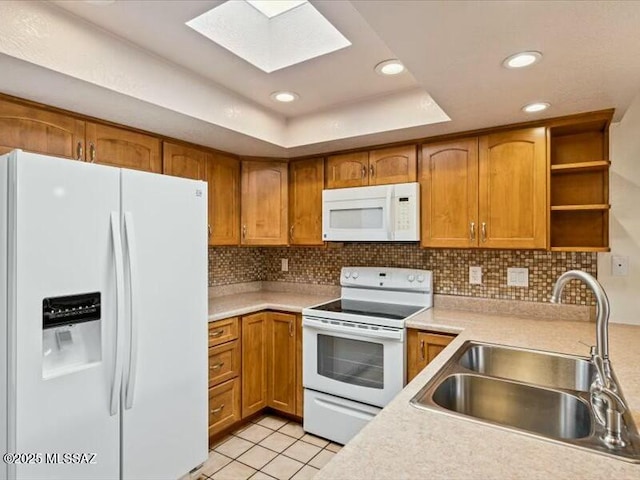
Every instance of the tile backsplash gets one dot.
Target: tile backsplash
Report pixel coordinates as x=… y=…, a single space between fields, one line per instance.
x=316 y=265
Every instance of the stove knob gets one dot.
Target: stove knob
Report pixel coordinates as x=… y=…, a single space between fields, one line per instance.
x=411 y=278
x=355 y=275
x=421 y=278
x=347 y=274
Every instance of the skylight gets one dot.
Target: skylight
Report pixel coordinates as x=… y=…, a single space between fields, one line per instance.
x=269 y=34
x=272 y=8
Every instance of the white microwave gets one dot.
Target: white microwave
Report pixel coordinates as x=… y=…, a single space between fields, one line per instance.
x=383 y=213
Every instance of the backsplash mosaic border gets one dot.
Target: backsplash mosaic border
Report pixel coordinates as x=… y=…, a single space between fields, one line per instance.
x=321 y=266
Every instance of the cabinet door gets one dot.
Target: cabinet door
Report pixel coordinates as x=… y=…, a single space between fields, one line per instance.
x=393 y=165
x=254 y=363
x=422 y=348
x=513 y=189
x=182 y=161
x=449 y=194
x=306 y=181
x=39 y=131
x=223 y=178
x=281 y=350
x=264 y=203
x=299 y=387
x=348 y=170
x=118 y=147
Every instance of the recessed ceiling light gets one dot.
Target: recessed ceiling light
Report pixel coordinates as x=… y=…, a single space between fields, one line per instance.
x=522 y=59
x=273 y=8
x=536 y=107
x=284 y=97
x=390 y=67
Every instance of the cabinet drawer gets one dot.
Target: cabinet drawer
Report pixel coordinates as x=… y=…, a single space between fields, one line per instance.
x=223 y=331
x=224 y=405
x=224 y=362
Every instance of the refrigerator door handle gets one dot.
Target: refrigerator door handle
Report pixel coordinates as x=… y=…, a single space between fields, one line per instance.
x=116 y=238
x=133 y=281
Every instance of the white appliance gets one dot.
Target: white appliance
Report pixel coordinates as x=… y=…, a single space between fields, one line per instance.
x=372 y=214
x=354 y=347
x=103 y=314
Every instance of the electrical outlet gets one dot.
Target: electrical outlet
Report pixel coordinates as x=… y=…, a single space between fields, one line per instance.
x=284 y=264
x=619 y=266
x=517 y=277
x=475 y=275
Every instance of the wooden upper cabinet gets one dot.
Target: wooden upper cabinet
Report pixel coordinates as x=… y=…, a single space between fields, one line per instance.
x=513 y=189
x=306 y=181
x=223 y=178
x=40 y=131
x=393 y=165
x=348 y=170
x=264 y=203
x=281 y=350
x=118 y=147
x=449 y=194
x=377 y=167
x=183 y=161
x=254 y=363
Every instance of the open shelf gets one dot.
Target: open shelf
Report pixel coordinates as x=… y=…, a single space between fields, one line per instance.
x=580 y=166
x=579 y=185
x=567 y=208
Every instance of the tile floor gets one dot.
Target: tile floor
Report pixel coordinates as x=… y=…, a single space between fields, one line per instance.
x=268 y=448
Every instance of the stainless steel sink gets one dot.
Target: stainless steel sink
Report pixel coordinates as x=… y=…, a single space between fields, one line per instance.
x=552 y=413
x=539 y=368
x=541 y=394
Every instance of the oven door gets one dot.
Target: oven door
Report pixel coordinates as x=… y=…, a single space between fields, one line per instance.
x=360 y=362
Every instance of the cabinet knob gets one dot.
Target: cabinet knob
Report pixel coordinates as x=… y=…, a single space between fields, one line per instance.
x=364 y=171
x=290 y=328
x=421 y=349
x=372 y=170
x=291 y=233
x=483 y=230
x=209 y=229
x=92 y=153
x=472 y=231
x=244 y=231
x=217 y=410
x=79 y=151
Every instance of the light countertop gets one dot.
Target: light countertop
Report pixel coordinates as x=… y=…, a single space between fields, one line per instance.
x=403 y=442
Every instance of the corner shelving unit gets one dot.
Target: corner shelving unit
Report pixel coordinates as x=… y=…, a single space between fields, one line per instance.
x=579 y=185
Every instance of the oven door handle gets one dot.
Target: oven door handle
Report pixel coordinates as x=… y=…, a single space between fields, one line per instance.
x=397 y=335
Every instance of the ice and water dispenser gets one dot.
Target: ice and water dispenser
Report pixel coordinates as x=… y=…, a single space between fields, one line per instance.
x=70 y=333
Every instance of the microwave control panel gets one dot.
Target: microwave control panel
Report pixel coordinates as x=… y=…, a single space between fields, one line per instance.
x=403 y=214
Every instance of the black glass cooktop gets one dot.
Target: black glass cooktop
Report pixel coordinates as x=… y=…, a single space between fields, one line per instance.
x=371 y=309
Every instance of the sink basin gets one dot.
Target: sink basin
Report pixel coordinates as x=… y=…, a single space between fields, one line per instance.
x=539 y=368
x=541 y=394
x=552 y=413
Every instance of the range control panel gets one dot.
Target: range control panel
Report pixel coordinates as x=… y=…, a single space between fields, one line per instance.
x=387 y=278
x=70 y=309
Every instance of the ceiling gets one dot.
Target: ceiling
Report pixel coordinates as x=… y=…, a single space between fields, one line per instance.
x=137 y=63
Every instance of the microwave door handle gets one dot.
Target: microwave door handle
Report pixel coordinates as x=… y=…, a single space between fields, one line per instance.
x=390 y=232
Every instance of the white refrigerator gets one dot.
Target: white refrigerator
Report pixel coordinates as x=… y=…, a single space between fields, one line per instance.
x=103 y=321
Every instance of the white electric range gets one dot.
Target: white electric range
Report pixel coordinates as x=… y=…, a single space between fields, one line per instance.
x=354 y=347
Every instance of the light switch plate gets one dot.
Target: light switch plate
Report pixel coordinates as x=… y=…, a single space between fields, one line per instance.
x=517 y=277
x=475 y=275
x=284 y=264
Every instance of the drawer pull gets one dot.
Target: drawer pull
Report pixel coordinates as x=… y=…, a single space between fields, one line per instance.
x=216 y=366
x=217 y=410
x=217 y=333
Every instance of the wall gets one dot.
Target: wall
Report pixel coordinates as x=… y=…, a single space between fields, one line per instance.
x=624 y=223
x=451 y=267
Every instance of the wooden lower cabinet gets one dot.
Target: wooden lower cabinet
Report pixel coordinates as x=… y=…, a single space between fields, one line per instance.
x=299 y=387
x=224 y=405
x=281 y=351
x=223 y=331
x=422 y=348
x=254 y=363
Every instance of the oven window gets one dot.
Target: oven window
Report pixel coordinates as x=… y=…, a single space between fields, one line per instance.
x=355 y=362
x=356 y=218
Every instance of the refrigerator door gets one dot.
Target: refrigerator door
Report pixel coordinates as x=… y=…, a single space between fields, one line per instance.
x=64 y=273
x=165 y=377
